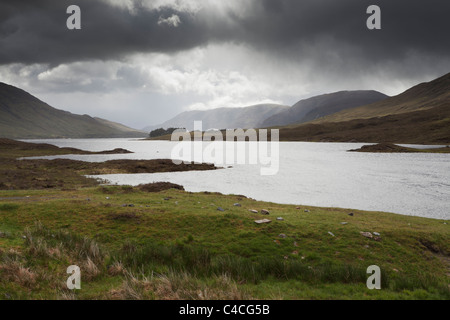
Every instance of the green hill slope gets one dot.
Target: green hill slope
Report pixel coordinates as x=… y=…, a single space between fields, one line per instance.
x=323 y=105
x=419 y=127
x=424 y=96
x=23 y=116
x=419 y=115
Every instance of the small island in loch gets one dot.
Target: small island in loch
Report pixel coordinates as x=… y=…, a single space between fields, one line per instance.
x=393 y=148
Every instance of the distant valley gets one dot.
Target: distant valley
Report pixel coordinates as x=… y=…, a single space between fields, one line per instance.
x=420 y=115
x=267 y=115
x=224 y=118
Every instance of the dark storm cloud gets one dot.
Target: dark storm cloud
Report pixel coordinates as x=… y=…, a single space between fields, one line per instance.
x=34 y=31
x=421 y=26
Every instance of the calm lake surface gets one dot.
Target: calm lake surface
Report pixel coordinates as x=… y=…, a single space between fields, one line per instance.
x=316 y=174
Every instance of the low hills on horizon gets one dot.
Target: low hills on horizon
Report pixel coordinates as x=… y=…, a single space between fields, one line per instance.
x=269 y=115
x=420 y=115
x=224 y=118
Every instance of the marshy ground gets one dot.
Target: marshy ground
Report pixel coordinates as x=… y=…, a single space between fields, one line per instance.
x=160 y=242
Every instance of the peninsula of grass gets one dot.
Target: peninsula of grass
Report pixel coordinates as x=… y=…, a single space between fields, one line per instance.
x=18 y=174
x=159 y=242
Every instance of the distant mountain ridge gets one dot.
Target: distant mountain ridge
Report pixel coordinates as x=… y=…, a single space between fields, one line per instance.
x=420 y=115
x=423 y=96
x=320 y=106
x=268 y=115
x=23 y=116
x=224 y=118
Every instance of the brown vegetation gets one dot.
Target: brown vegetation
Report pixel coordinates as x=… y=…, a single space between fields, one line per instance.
x=159 y=186
x=392 y=148
x=65 y=173
x=430 y=126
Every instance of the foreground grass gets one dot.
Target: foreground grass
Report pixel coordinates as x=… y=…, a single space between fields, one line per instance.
x=132 y=244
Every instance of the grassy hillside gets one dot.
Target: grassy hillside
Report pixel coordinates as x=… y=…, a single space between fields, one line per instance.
x=24 y=116
x=131 y=244
x=420 y=115
x=121 y=127
x=424 y=96
x=431 y=126
x=321 y=106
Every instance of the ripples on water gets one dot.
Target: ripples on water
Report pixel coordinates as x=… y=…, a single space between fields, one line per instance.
x=317 y=174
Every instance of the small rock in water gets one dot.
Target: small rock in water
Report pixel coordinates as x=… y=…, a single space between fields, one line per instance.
x=331 y=233
x=253 y=211
x=237 y=204
x=282 y=235
x=263 y=221
x=220 y=209
x=263 y=211
x=367 y=235
x=280 y=219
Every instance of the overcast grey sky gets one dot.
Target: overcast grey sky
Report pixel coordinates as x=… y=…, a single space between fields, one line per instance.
x=142 y=62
